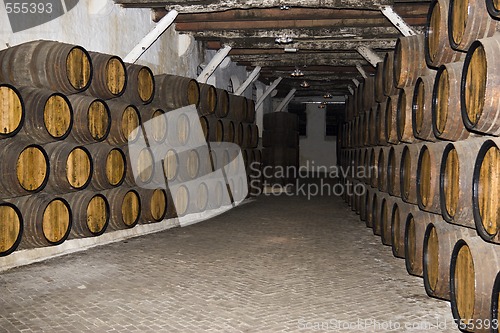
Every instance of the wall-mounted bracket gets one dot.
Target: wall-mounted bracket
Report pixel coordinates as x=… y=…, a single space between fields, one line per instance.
x=284 y=103
x=397 y=20
x=369 y=55
x=250 y=79
x=268 y=91
x=213 y=64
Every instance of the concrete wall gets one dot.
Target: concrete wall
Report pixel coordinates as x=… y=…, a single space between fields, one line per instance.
x=315 y=148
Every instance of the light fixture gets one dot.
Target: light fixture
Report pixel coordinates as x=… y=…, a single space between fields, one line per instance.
x=284 y=7
x=296 y=73
x=305 y=84
x=283 y=39
x=327 y=96
x=321 y=106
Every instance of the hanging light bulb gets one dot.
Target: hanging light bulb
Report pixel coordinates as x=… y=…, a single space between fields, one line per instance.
x=283 y=39
x=305 y=84
x=297 y=73
x=321 y=106
x=327 y=96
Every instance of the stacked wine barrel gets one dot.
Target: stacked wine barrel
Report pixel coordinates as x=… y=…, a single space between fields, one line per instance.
x=424 y=147
x=67 y=117
x=280 y=139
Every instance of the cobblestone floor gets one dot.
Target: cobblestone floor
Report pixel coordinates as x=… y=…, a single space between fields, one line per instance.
x=278 y=264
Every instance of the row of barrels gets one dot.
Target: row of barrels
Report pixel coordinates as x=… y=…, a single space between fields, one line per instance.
x=280 y=141
x=70 y=69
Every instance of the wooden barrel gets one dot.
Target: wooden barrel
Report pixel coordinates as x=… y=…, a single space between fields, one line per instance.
x=386 y=209
x=90 y=212
x=404 y=124
x=250 y=117
x=92 y=119
x=125 y=122
x=179 y=130
x=416 y=224
x=439 y=239
x=174 y=91
x=47 y=64
x=366 y=126
x=455 y=183
x=372 y=126
x=473 y=269
x=468 y=20
x=479 y=87
x=11 y=228
x=400 y=212
x=372 y=166
x=189 y=165
x=369 y=92
x=253 y=131
x=11 y=110
x=380 y=113
x=171 y=165
x=239 y=134
x=25 y=168
x=48 y=115
x=394 y=170
x=421 y=110
x=208 y=99
x=446 y=113
x=359 y=99
x=493 y=8
x=154 y=122
x=70 y=165
x=428 y=177
x=47 y=219
x=486 y=189
x=369 y=198
x=141 y=168
x=109 y=166
x=391 y=111
x=363 y=209
x=438 y=50
x=124 y=206
x=378 y=207
x=237 y=108
x=110 y=76
x=205 y=127
x=181 y=198
x=156 y=205
x=225 y=130
x=382 y=161
x=408 y=172
x=141 y=85
x=388 y=79
x=222 y=108
x=349 y=108
x=379 y=83
x=409 y=60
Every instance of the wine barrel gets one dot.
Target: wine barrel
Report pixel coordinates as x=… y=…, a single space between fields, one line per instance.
x=391 y=111
x=468 y=20
x=90 y=213
x=282 y=120
x=485 y=191
x=421 y=111
x=394 y=170
x=388 y=76
x=239 y=134
x=47 y=219
x=154 y=122
x=493 y=8
x=25 y=168
x=92 y=119
x=222 y=108
x=253 y=131
x=208 y=99
x=47 y=64
x=400 y=213
x=479 y=87
x=404 y=126
x=157 y=205
x=237 y=108
x=125 y=207
x=189 y=165
x=110 y=76
x=48 y=115
x=386 y=209
x=372 y=126
x=382 y=161
x=439 y=240
x=71 y=167
x=366 y=125
x=179 y=132
x=416 y=224
x=141 y=168
x=372 y=166
x=11 y=228
x=473 y=268
x=455 y=182
x=12 y=110
x=171 y=165
x=428 y=177
x=251 y=113
x=377 y=211
x=408 y=172
x=446 y=113
x=109 y=166
x=225 y=130
x=379 y=83
x=125 y=122
x=380 y=134
x=174 y=91
x=141 y=85
x=369 y=92
x=181 y=197
x=409 y=60
x=369 y=198
x=360 y=109
x=438 y=50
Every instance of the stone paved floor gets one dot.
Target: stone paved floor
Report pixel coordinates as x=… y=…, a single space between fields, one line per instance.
x=278 y=264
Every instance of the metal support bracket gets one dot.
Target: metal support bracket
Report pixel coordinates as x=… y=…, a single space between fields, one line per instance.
x=151 y=37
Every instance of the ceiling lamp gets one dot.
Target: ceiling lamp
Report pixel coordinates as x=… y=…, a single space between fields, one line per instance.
x=305 y=84
x=327 y=96
x=297 y=73
x=283 y=39
x=322 y=105
x=284 y=7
